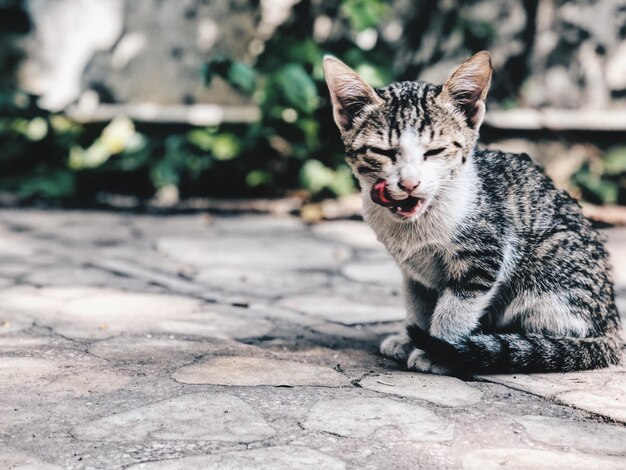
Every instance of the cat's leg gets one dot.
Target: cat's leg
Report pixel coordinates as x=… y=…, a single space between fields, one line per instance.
x=474 y=269
x=456 y=316
x=453 y=318
x=420 y=302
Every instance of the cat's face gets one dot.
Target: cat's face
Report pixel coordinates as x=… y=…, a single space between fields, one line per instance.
x=407 y=142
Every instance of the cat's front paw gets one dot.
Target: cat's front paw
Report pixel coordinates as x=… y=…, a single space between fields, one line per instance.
x=396 y=347
x=419 y=361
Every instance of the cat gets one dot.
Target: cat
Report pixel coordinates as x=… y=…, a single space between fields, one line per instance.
x=502 y=272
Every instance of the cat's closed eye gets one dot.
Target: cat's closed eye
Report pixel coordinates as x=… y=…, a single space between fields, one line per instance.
x=390 y=153
x=433 y=152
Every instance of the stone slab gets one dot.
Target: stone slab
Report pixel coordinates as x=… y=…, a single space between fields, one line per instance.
x=267 y=458
x=55 y=378
x=23 y=344
x=12 y=245
x=255 y=225
x=367 y=417
x=160 y=351
x=73 y=276
x=15 y=460
x=10 y=322
x=524 y=459
x=376 y=272
x=425 y=387
x=349 y=232
x=201 y=416
x=582 y=435
x=252 y=371
x=599 y=391
x=344 y=310
x=254 y=252
x=99 y=313
x=609 y=401
x=260 y=282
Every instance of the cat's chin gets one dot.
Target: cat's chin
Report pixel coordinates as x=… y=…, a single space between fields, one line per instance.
x=410 y=209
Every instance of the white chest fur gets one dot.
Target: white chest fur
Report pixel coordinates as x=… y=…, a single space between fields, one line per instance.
x=421 y=246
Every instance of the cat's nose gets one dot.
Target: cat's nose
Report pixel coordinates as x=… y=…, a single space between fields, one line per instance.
x=408 y=184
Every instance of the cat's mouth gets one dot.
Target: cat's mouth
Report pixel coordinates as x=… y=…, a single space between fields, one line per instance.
x=404 y=208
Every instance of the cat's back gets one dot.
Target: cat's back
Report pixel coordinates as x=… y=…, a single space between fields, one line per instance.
x=518 y=190
x=544 y=224
x=501 y=173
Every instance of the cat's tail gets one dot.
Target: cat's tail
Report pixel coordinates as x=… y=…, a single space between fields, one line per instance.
x=520 y=352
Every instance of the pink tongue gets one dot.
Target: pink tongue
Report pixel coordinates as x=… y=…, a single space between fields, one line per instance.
x=379 y=194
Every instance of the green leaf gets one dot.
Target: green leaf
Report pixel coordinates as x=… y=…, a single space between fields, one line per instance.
x=132 y=161
x=298 y=88
x=315 y=176
x=363 y=14
x=306 y=52
x=258 y=178
x=92 y=157
x=37 y=129
x=310 y=127
x=615 y=161
x=509 y=103
x=343 y=181
x=217 y=66
x=201 y=138
x=49 y=183
x=120 y=135
x=197 y=164
x=375 y=76
x=480 y=29
x=242 y=77
x=164 y=173
x=225 y=146
x=222 y=146
x=605 y=190
x=238 y=74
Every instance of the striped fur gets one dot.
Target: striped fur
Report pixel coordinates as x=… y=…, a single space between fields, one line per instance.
x=502 y=271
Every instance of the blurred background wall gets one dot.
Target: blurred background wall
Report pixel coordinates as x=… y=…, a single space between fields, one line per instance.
x=225 y=97
x=562 y=54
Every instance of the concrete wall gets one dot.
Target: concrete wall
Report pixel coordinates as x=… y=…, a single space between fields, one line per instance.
x=129 y=51
x=548 y=53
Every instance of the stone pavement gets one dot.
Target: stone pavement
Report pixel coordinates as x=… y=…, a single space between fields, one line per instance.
x=130 y=341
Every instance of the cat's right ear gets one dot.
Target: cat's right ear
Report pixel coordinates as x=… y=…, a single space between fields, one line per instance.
x=348 y=92
x=467 y=87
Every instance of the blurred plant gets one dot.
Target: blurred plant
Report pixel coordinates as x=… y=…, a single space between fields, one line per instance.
x=119 y=137
x=603 y=181
x=34 y=144
x=294 y=144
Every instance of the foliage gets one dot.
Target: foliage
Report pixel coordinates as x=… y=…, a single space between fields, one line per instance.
x=603 y=181
x=293 y=145
x=34 y=148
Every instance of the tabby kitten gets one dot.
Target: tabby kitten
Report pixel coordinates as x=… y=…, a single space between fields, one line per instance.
x=501 y=270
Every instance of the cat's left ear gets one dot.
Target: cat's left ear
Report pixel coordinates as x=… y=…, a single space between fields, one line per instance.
x=467 y=87
x=348 y=91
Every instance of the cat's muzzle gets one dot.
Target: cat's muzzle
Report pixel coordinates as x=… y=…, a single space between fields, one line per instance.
x=404 y=207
